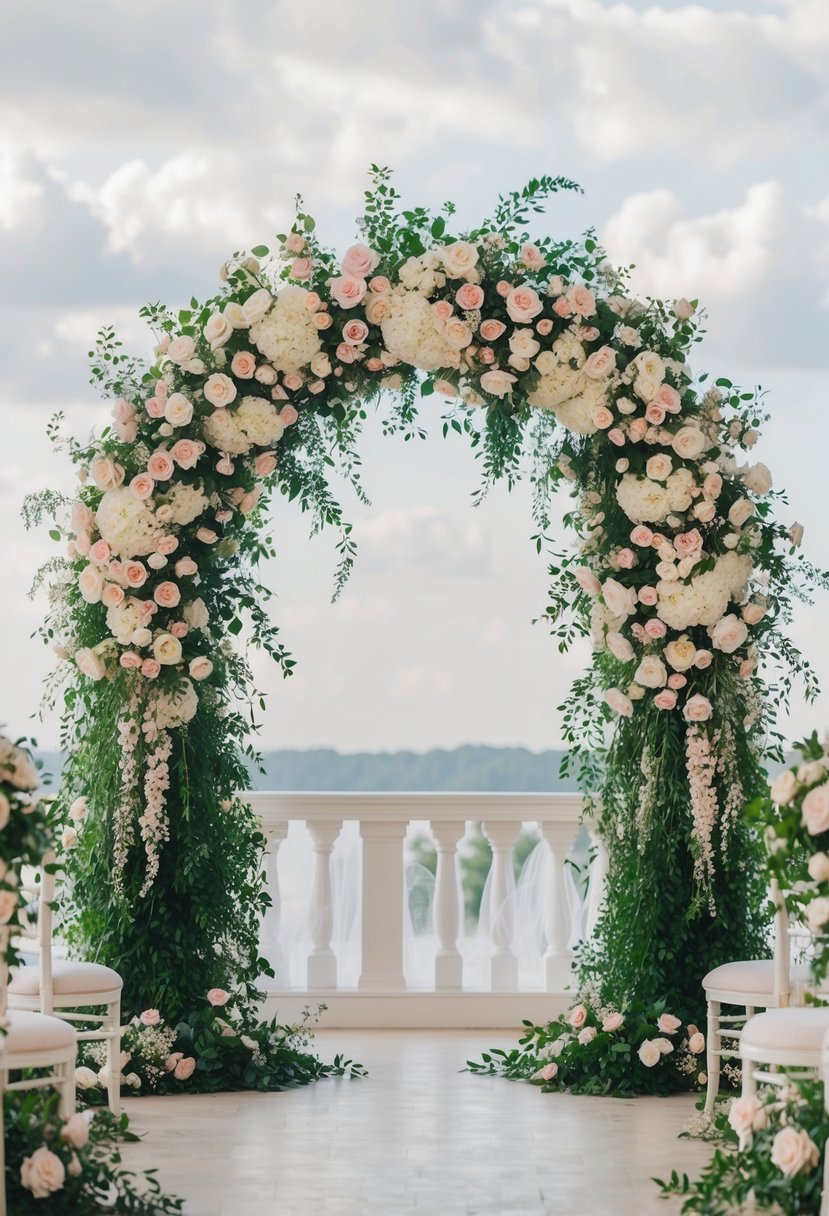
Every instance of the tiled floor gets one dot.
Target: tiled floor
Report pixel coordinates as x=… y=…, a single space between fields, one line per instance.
x=419 y=1138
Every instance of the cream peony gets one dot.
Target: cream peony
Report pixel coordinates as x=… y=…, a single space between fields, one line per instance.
x=126 y=523
x=410 y=333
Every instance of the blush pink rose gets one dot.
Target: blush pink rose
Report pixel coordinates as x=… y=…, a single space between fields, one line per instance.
x=166 y=545
x=155 y=407
x=220 y=390
x=532 y=257
x=130 y=660
x=295 y=243
x=359 y=261
x=345 y=353
x=668 y=1024
x=324 y=320
x=442 y=310
x=288 y=415
x=167 y=595
x=469 y=297
x=498 y=383
x=160 y=466
x=225 y=466
x=112 y=595
x=150 y=668
x=135 y=574
x=582 y=301
x=688 y=543
x=562 y=308
x=100 y=552
x=347 y=290
x=658 y=540
x=302 y=269
x=677 y=680
x=375 y=365
x=613 y=1021
x=127 y=431
x=626 y=559
x=218 y=996
x=587 y=580
x=491 y=330
x=185 y=566
x=637 y=429
x=503 y=288
x=648 y=596
x=486 y=355
x=379 y=285
x=549 y=1071
x=207 y=536
x=668 y=398
x=523 y=304
x=264 y=464
x=698 y=709
x=313 y=301
x=577 y=1016
x=602 y=418
x=601 y=363
x=666 y=699
x=142 y=485
x=655 y=414
x=655 y=628
x=243 y=364
x=279 y=394
x=641 y=535
x=355 y=332
x=184 y=1069
x=712 y=486
x=179 y=629
x=186 y=453
x=150 y=1017
x=292 y=381
x=588 y=333
x=616 y=436
x=544 y=326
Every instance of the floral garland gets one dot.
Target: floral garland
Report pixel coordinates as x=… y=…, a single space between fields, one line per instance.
x=682 y=573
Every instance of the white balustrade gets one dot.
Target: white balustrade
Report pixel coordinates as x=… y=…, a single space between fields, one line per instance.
x=382 y=996
x=596 y=877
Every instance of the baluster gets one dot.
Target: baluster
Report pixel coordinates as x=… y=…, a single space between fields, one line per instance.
x=322 y=961
x=270 y=931
x=503 y=965
x=558 y=960
x=448 y=962
x=596 y=879
x=382 y=932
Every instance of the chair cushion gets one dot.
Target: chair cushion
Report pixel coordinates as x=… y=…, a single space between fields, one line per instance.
x=751 y=976
x=796 y=1028
x=67 y=978
x=36 y=1032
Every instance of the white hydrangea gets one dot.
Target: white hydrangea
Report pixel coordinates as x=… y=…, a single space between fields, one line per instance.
x=124 y=620
x=411 y=335
x=419 y=274
x=287 y=335
x=643 y=500
x=126 y=523
x=187 y=503
x=175 y=707
x=222 y=431
x=256 y=422
x=563 y=388
x=704 y=600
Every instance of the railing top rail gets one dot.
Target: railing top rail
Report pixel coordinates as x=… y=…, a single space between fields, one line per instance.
x=281 y=806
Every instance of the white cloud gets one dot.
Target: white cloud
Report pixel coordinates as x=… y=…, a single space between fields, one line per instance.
x=420 y=539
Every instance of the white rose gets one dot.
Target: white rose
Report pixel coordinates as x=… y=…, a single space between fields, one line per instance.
x=747 y=1114
x=696 y=1043
x=651 y=672
x=85 y=1078
x=178 y=410
x=689 y=442
x=793 y=1152
x=90 y=663
x=181 y=350
x=649 y=1053
x=167 y=649
x=758 y=479
x=219 y=390
x=195 y=614
x=458 y=259
x=75 y=1131
x=91 y=584
x=200 y=668
x=659 y=467
x=819 y=867
x=217 y=330
x=77 y=810
x=69 y=838
x=43 y=1173
x=681 y=653
x=741 y=511
x=665 y=1046
x=524 y=344
x=255 y=306
x=728 y=634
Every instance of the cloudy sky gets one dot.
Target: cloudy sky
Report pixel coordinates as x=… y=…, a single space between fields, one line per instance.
x=143 y=143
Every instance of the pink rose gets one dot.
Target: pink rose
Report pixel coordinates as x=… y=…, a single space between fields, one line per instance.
x=302 y=269
x=626 y=559
x=142 y=485
x=207 y=536
x=112 y=595
x=637 y=429
x=223 y=517
x=469 y=297
x=243 y=364
x=135 y=574
x=655 y=628
x=603 y=418
x=729 y=633
x=442 y=309
x=486 y=355
x=491 y=330
x=179 y=629
x=616 y=436
x=316 y=386
x=219 y=390
x=375 y=365
x=184 y=1069
x=498 y=383
x=697 y=709
x=160 y=466
x=313 y=301
x=355 y=332
x=523 y=304
x=668 y=1024
x=295 y=243
x=587 y=580
x=100 y=552
x=166 y=545
x=655 y=414
x=347 y=290
x=641 y=535
x=150 y=1017
x=601 y=363
x=549 y=1071
x=167 y=595
x=712 y=486
x=532 y=257
x=588 y=333
x=379 y=285
x=668 y=398
x=816 y=810
x=676 y=680
x=359 y=261
x=544 y=326
x=185 y=452
x=288 y=415
x=648 y=596
x=666 y=699
x=200 y=667
x=577 y=1016
x=130 y=660
x=292 y=381
x=265 y=463
x=582 y=301
x=127 y=432
x=617 y=700
x=613 y=1021
x=345 y=353
x=150 y=668
x=324 y=320
x=185 y=566
x=562 y=308
x=218 y=996
x=225 y=466
x=172 y=1060
x=503 y=288
x=155 y=407
x=106 y=474
x=279 y=394
x=688 y=543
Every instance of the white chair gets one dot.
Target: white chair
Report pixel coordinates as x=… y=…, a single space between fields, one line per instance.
x=781 y=1038
x=63 y=987
x=751 y=984
x=33 y=1041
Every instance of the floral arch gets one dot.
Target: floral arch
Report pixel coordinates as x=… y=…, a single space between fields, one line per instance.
x=554 y=372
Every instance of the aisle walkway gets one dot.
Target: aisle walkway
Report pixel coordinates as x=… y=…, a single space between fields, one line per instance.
x=417 y=1139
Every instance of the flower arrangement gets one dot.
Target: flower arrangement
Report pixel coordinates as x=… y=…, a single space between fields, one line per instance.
x=24 y=835
x=213 y=1048
x=683 y=576
x=781 y=1168
x=597 y=1049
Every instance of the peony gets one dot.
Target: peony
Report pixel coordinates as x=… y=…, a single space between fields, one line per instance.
x=794 y=1152
x=200 y=668
x=697 y=709
x=649 y=1053
x=167 y=649
x=642 y=500
x=458 y=259
x=651 y=672
x=176 y=707
x=816 y=810
x=728 y=634
x=43 y=1173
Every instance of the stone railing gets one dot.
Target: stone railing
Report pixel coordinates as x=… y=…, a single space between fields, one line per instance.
x=381 y=995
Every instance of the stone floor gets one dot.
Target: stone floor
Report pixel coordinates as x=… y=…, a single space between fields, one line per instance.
x=419 y=1138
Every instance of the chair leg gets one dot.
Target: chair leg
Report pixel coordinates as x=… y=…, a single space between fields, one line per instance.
x=66 y=1089
x=2 y=1147
x=113 y=1057
x=749 y=1090
x=712 y=1056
